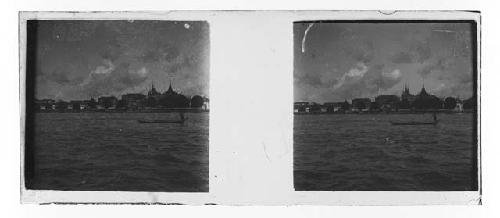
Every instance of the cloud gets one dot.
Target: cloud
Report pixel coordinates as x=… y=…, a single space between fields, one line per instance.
x=61 y=73
x=151 y=56
x=99 y=71
x=436 y=66
x=402 y=58
x=361 y=51
x=59 y=76
x=170 y=52
x=142 y=72
x=388 y=79
x=367 y=83
x=422 y=50
x=164 y=53
x=395 y=74
x=328 y=78
x=75 y=57
x=358 y=71
x=110 y=80
x=361 y=80
x=106 y=69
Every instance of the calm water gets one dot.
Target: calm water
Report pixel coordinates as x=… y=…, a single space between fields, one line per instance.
x=366 y=152
x=112 y=151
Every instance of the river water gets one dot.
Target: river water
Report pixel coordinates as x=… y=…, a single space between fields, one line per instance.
x=365 y=152
x=113 y=151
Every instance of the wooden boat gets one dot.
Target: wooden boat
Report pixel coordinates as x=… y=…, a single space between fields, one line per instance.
x=414 y=123
x=180 y=121
x=162 y=121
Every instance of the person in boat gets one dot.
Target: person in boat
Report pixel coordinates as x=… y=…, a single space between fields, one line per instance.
x=434 y=116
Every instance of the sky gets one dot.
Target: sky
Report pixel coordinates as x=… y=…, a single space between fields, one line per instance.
x=80 y=59
x=341 y=61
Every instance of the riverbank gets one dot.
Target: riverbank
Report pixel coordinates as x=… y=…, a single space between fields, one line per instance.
x=151 y=110
x=386 y=112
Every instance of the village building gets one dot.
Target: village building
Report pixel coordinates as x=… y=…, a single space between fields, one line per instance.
x=336 y=107
x=361 y=104
x=301 y=107
x=107 y=102
x=45 y=105
x=407 y=98
x=387 y=102
x=134 y=101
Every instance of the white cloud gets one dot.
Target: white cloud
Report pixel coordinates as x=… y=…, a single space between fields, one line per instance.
x=395 y=74
x=356 y=72
x=106 y=69
x=99 y=70
x=142 y=72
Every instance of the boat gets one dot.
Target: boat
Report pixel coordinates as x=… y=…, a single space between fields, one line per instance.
x=161 y=121
x=414 y=123
x=180 y=121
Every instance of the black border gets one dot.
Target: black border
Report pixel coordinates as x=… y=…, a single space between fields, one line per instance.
x=29 y=114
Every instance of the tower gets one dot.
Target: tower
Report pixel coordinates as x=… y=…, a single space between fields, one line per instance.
x=406 y=89
x=153 y=91
x=422 y=91
x=170 y=91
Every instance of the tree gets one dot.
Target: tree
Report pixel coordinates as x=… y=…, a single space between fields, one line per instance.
x=61 y=105
x=470 y=103
x=174 y=101
x=450 y=103
x=196 y=101
x=315 y=107
x=427 y=102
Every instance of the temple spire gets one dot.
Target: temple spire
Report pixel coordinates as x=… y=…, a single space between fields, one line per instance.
x=423 y=92
x=170 y=90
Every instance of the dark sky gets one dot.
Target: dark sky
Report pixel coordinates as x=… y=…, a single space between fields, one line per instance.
x=337 y=61
x=83 y=59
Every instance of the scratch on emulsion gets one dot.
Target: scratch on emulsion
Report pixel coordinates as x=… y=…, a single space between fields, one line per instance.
x=305 y=36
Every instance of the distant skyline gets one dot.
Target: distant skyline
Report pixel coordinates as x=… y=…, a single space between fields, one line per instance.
x=337 y=61
x=79 y=59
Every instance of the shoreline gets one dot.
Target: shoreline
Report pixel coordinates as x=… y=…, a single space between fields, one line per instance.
x=173 y=110
x=385 y=113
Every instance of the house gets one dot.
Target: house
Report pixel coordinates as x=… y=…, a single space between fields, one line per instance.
x=45 y=104
x=134 y=100
x=335 y=107
x=107 y=102
x=61 y=105
x=387 y=102
x=300 y=107
x=206 y=104
x=361 y=104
